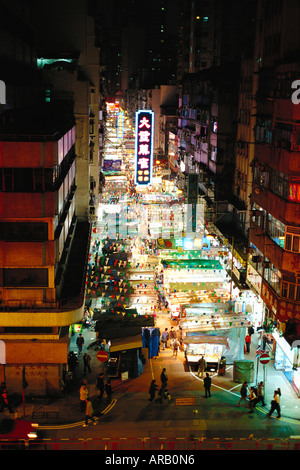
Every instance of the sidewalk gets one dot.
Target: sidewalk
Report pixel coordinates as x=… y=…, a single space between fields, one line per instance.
x=66 y=410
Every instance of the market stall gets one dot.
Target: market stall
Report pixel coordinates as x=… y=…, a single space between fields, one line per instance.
x=211 y=347
x=188 y=281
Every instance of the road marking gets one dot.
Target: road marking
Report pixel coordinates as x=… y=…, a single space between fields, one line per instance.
x=287 y=420
x=80 y=423
x=185 y=401
x=152 y=373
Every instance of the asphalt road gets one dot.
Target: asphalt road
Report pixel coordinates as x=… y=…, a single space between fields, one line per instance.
x=187 y=415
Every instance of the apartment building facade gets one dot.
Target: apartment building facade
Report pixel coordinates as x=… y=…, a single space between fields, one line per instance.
x=49 y=158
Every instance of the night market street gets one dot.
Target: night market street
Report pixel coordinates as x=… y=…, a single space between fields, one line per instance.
x=149 y=226
x=136 y=273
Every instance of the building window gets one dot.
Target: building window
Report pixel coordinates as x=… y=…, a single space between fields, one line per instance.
x=276 y=230
x=279 y=184
x=272 y=276
x=292 y=242
x=261 y=176
x=23 y=231
x=22 y=277
x=256 y=258
x=294 y=189
x=290 y=291
x=259 y=216
x=24 y=180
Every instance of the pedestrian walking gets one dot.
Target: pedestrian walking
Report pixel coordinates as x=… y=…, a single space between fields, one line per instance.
x=89 y=413
x=260 y=394
x=83 y=393
x=173 y=334
x=165 y=338
x=4 y=402
x=100 y=385
x=163 y=392
x=180 y=336
x=275 y=404
x=207 y=385
x=108 y=391
x=175 y=348
x=86 y=362
x=252 y=399
x=164 y=379
x=247 y=343
x=244 y=394
x=201 y=366
x=80 y=343
x=152 y=390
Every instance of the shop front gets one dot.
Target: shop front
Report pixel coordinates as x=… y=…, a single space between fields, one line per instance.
x=287 y=359
x=125 y=357
x=212 y=348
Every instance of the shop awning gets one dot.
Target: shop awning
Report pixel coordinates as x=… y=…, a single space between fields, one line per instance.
x=192 y=264
x=216 y=321
x=121 y=344
x=206 y=339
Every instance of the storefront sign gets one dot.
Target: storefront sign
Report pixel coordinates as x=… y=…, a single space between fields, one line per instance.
x=77 y=328
x=144 y=129
x=112 y=165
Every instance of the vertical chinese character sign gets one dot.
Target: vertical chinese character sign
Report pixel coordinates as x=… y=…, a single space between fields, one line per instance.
x=144 y=132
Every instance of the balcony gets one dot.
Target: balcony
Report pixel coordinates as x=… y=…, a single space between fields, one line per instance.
x=281 y=209
x=282 y=259
x=68 y=309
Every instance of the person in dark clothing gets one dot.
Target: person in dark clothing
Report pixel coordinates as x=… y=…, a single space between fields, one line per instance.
x=86 y=362
x=207 y=385
x=80 y=343
x=252 y=399
x=164 y=379
x=275 y=404
x=260 y=394
x=100 y=385
x=244 y=394
x=152 y=389
x=108 y=391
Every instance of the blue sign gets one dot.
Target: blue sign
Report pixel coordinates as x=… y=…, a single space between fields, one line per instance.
x=144 y=133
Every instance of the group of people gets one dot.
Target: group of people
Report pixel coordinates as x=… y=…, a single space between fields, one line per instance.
x=251 y=397
x=85 y=402
x=162 y=391
x=172 y=339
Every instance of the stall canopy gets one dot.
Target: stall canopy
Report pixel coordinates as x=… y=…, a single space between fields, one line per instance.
x=192 y=264
x=215 y=322
x=206 y=339
x=121 y=344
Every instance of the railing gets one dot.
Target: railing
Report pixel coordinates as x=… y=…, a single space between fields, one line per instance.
x=152 y=444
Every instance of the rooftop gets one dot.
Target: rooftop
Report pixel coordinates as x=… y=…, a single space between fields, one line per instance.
x=49 y=121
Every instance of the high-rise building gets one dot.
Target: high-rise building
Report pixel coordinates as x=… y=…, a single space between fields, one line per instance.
x=274 y=259
x=49 y=154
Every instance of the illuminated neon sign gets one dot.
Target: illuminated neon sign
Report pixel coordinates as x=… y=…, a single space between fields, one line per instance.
x=144 y=131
